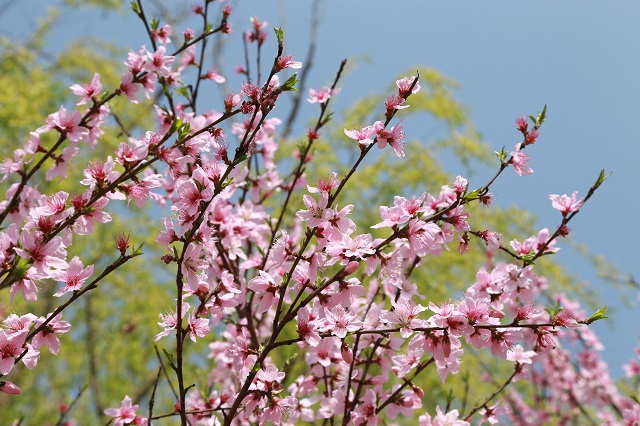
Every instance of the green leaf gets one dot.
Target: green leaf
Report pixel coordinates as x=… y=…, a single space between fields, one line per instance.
x=290 y=83
x=502 y=155
x=279 y=35
x=601 y=178
x=553 y=312
x=543 y=115
x=598 y=315
x=135 y=8
x=155 y=23
x=137 y=251
x=184 y=130
x=328 y=116
x=473 y=195
x=175 y=125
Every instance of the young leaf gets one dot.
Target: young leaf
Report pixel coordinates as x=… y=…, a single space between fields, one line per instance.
x=279 y=34
x=598 y=315
x=290 y=83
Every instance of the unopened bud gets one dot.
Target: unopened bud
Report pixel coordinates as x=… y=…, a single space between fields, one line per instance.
x=347 y=353
x=351 y=267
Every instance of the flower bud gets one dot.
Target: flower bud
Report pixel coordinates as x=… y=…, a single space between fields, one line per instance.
x=346 y=352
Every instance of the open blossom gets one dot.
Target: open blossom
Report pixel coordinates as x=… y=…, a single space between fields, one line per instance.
x=88 y=91
x=126 y=414
x=66 y=122
x=392 y=137
x=321 y=95
x=73 y=277
x=363 y=136
x=519 y=160
x=307 y=327
x=519 y=355
x=404 y=85
x=12 y=165
x=44 y=254
x=566 y=204
x=49 y=335
x=405 y=315
x=266 y=290
x=315 y=213
x=198 y=327
x=442 y=419
x=11 y=346
x=340 y=321
x=159 y=62
x=287 y=61
x=213 y=74
x=162 y=34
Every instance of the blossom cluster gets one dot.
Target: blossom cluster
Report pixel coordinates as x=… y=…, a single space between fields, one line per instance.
x=253 y=279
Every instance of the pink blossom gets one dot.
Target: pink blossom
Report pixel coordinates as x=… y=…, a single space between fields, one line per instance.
x=67 y=123
x=73 y=277
x=266 y=289
x=129 y=87
x=340 y=321
x=518 y=355
x=325 y=184
x=519 y=160
x=162 y=34
x=169 y=321
x=49 y=335
x=365 y=414
x=287 y=61
x=532 y=136
x=61 y=163
x=159 y=62
x=99 y=174
x=363 y=136
x=88 y=91
x=213 y=74
x=394 y=103
x=392 y=137
x=441 y=419
x=405 y=314
x=11 y=346
x=391 y=216
x=566 y=204
x=125 y=414
x=314 y=215
x=322 y=95
x=501 y=341
x=26 y=285
x=12 y=165
x=44 y=254
x=198 y=327
x=404 y=84
x=85 y=223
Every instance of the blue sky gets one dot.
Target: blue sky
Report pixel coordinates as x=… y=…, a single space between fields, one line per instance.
x=581 y=58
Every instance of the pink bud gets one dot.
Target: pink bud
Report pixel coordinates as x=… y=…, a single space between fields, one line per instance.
x=522 y=124
x=351 y=267
x=347 y=354
x=8 y=387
